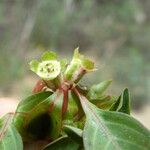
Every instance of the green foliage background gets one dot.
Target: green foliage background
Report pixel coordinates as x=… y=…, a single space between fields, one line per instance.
x=115 y=33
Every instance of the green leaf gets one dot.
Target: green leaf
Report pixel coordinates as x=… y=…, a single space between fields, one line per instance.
x=97 y=90
x=104 y=102
x=63 y=143
x=125 y=108
x=31 y=101
x=115 y=106
x=108 y=130
x=74 y=133
x=49 y=55
x=34 y=118
x=123 y=103
x=9 y=136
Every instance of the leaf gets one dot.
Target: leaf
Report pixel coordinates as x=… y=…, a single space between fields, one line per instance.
x=63 y=143
x=74 y=133
x=115 y=106
x=104 y=102
x=31 y=101
x=108 y=130
x=123 y=103
x=49 y=55
x=28 y=109
x=39 y=116
x=9 y=136
x=96 y=91
x=125 y=108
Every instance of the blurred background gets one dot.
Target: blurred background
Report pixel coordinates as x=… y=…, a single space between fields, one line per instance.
x=115 y=33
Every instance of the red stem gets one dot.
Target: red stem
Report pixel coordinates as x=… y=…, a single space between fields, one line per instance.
x=65 y=102
x=39 y=86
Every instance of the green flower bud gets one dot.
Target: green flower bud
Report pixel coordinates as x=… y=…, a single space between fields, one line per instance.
x=78 y=67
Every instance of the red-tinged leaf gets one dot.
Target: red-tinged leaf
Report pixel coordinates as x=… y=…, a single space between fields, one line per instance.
x=40 y=116
x=9 y=136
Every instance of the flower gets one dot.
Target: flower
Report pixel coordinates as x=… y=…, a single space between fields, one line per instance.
x=48 y=68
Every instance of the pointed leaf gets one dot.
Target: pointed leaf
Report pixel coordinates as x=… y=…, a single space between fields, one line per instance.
x=125 y=108
x=96 y=90
x=116 y=105
x=122 y=104
x=112 y=130
x=63 y=143
x=9 y=136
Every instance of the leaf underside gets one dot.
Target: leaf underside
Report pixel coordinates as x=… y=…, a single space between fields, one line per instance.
x=112 y=130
